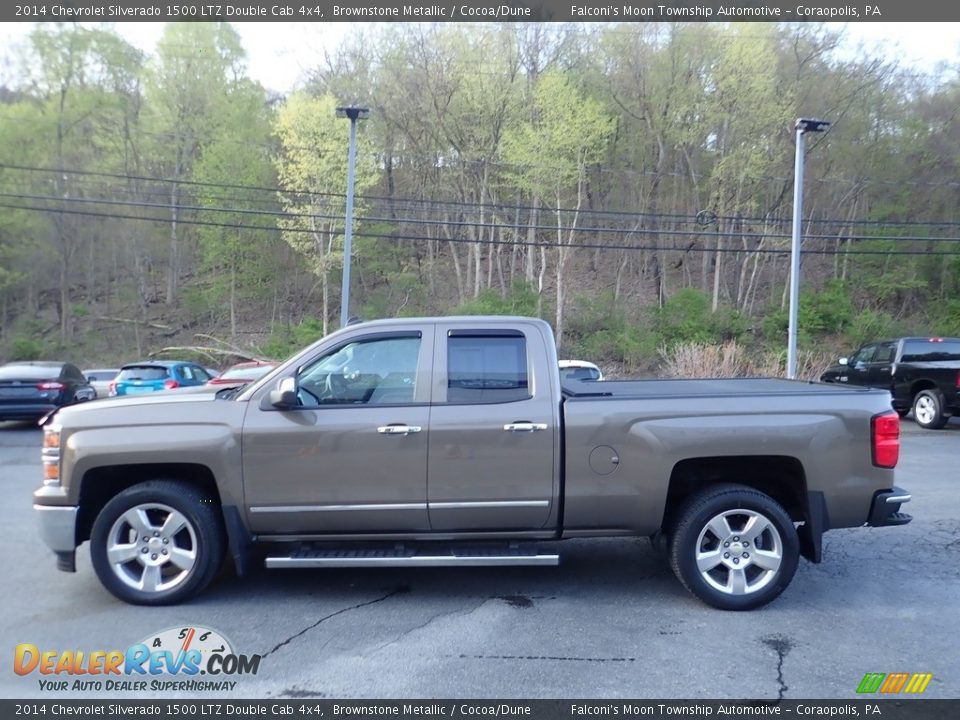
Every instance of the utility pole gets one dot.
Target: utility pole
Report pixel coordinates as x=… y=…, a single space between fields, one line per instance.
x=803 y=126
x=354 y=113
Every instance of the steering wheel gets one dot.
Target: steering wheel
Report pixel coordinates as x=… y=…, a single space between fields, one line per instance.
x=335 y=387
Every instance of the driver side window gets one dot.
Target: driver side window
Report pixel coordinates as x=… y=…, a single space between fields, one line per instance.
x=380 y=371
x=863 y=355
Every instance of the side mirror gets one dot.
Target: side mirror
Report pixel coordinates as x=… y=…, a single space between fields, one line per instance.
x=90 y=379
x=284 y=396
x=843 y=361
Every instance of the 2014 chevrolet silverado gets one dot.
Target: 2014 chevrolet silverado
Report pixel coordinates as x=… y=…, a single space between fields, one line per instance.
x=451 y=441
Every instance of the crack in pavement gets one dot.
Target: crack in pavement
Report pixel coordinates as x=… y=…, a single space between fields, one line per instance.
x=421 y=626
x=781 y=645
x=396 y=591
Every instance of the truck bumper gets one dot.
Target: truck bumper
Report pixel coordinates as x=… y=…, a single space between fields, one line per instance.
x=58 y=530
x=885 y=509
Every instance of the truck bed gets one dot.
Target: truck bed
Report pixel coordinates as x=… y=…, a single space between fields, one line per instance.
x=701 y=387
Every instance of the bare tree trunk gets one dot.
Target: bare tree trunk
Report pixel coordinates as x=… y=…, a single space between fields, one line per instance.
x=325 y=301
x=233 y=298
x=543 y=270
x=531 y=239
x=457 y=269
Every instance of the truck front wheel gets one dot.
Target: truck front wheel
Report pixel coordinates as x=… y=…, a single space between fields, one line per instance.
x=734 y=548
x=157 y=543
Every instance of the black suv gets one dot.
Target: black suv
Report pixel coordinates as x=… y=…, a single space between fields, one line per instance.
x=922 y=374
x=29 y=390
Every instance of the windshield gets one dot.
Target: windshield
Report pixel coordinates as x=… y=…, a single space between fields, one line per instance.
x=143 y=372
x=579 y=373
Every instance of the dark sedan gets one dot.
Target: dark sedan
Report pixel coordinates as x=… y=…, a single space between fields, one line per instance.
x=29 y=390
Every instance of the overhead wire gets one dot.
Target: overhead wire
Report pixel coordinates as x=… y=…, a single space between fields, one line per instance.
x=457 y=203
x=488 y=242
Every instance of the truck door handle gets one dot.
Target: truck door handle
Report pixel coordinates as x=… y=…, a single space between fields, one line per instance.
x=398 y=429
x=524 y=427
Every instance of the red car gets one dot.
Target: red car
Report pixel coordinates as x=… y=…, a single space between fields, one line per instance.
x=243 y=373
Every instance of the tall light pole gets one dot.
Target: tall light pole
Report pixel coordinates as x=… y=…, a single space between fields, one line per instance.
x=354 y=113
x=803 y=126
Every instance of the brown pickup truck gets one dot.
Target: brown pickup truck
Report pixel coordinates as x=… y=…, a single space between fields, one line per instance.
x=451 y=441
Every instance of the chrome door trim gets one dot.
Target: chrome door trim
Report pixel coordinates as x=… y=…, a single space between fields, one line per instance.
x=489 y=504
x=335 y=508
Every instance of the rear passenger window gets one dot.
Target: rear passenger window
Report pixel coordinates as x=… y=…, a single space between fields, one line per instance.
x=486 y=368
x=931 y=351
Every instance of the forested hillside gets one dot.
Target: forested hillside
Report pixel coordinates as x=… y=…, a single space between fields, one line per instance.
x=630 y=183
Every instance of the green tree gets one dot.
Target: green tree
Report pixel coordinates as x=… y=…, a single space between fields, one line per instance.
x=188 y=88
x=238 y=154
x=312 y=169
x=552 y=155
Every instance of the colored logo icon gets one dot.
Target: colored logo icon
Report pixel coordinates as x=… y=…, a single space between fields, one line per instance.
x=892 y=683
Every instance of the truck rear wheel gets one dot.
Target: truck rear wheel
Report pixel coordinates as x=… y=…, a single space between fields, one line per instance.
x=157 y=543
x=928 y=410
x=734 y=548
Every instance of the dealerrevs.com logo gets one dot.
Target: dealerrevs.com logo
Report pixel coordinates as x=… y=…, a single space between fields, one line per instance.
x=156 y=663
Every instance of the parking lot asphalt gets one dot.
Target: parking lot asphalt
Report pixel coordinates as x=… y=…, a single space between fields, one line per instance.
x=610 y=622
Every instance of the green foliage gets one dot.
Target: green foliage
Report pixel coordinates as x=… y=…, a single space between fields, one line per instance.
x=521 y=300
x=872 y=325
x=569 y=131
x=288 y=339
x=598 y=330
x=26 y=348
x=686 y=318
x=945 y=318
x=827 y=312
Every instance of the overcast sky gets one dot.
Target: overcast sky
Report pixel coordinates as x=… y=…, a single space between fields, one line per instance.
x=279 y=54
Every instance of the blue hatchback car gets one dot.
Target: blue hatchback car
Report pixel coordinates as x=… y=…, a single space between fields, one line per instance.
x=154 y=375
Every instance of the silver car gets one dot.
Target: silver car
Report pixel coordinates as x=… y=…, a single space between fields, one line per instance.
x=100 y=379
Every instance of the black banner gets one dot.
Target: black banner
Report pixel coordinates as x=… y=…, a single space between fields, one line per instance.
x=484 y=11
x=297 y=708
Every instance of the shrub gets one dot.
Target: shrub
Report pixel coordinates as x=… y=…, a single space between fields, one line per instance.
x=521 y=300
x=731 y=359
x=23 y=348
x=686 y=318
x=289 y=338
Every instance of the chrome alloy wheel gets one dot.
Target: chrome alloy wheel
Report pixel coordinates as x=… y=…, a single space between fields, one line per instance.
x=925 y=410
x=152 y=548
x=739 y=552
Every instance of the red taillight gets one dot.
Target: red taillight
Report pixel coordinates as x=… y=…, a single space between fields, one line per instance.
x=50 y=386
x=113 y=389
x=885 y=438
x=170 y=384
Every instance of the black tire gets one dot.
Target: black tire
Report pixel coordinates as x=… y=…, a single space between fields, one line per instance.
x=928 y=410
x=201 y=537
x=691 y=535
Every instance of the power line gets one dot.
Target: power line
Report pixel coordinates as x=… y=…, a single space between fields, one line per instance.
x=473 y=224
x=454 y=203
x=469 y=241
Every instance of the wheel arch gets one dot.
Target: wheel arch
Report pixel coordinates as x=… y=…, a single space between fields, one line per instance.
x=918 y=386
x=782 y=477
x=99 y=485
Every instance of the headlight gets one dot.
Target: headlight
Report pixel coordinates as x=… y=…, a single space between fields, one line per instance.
x=50 y=455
